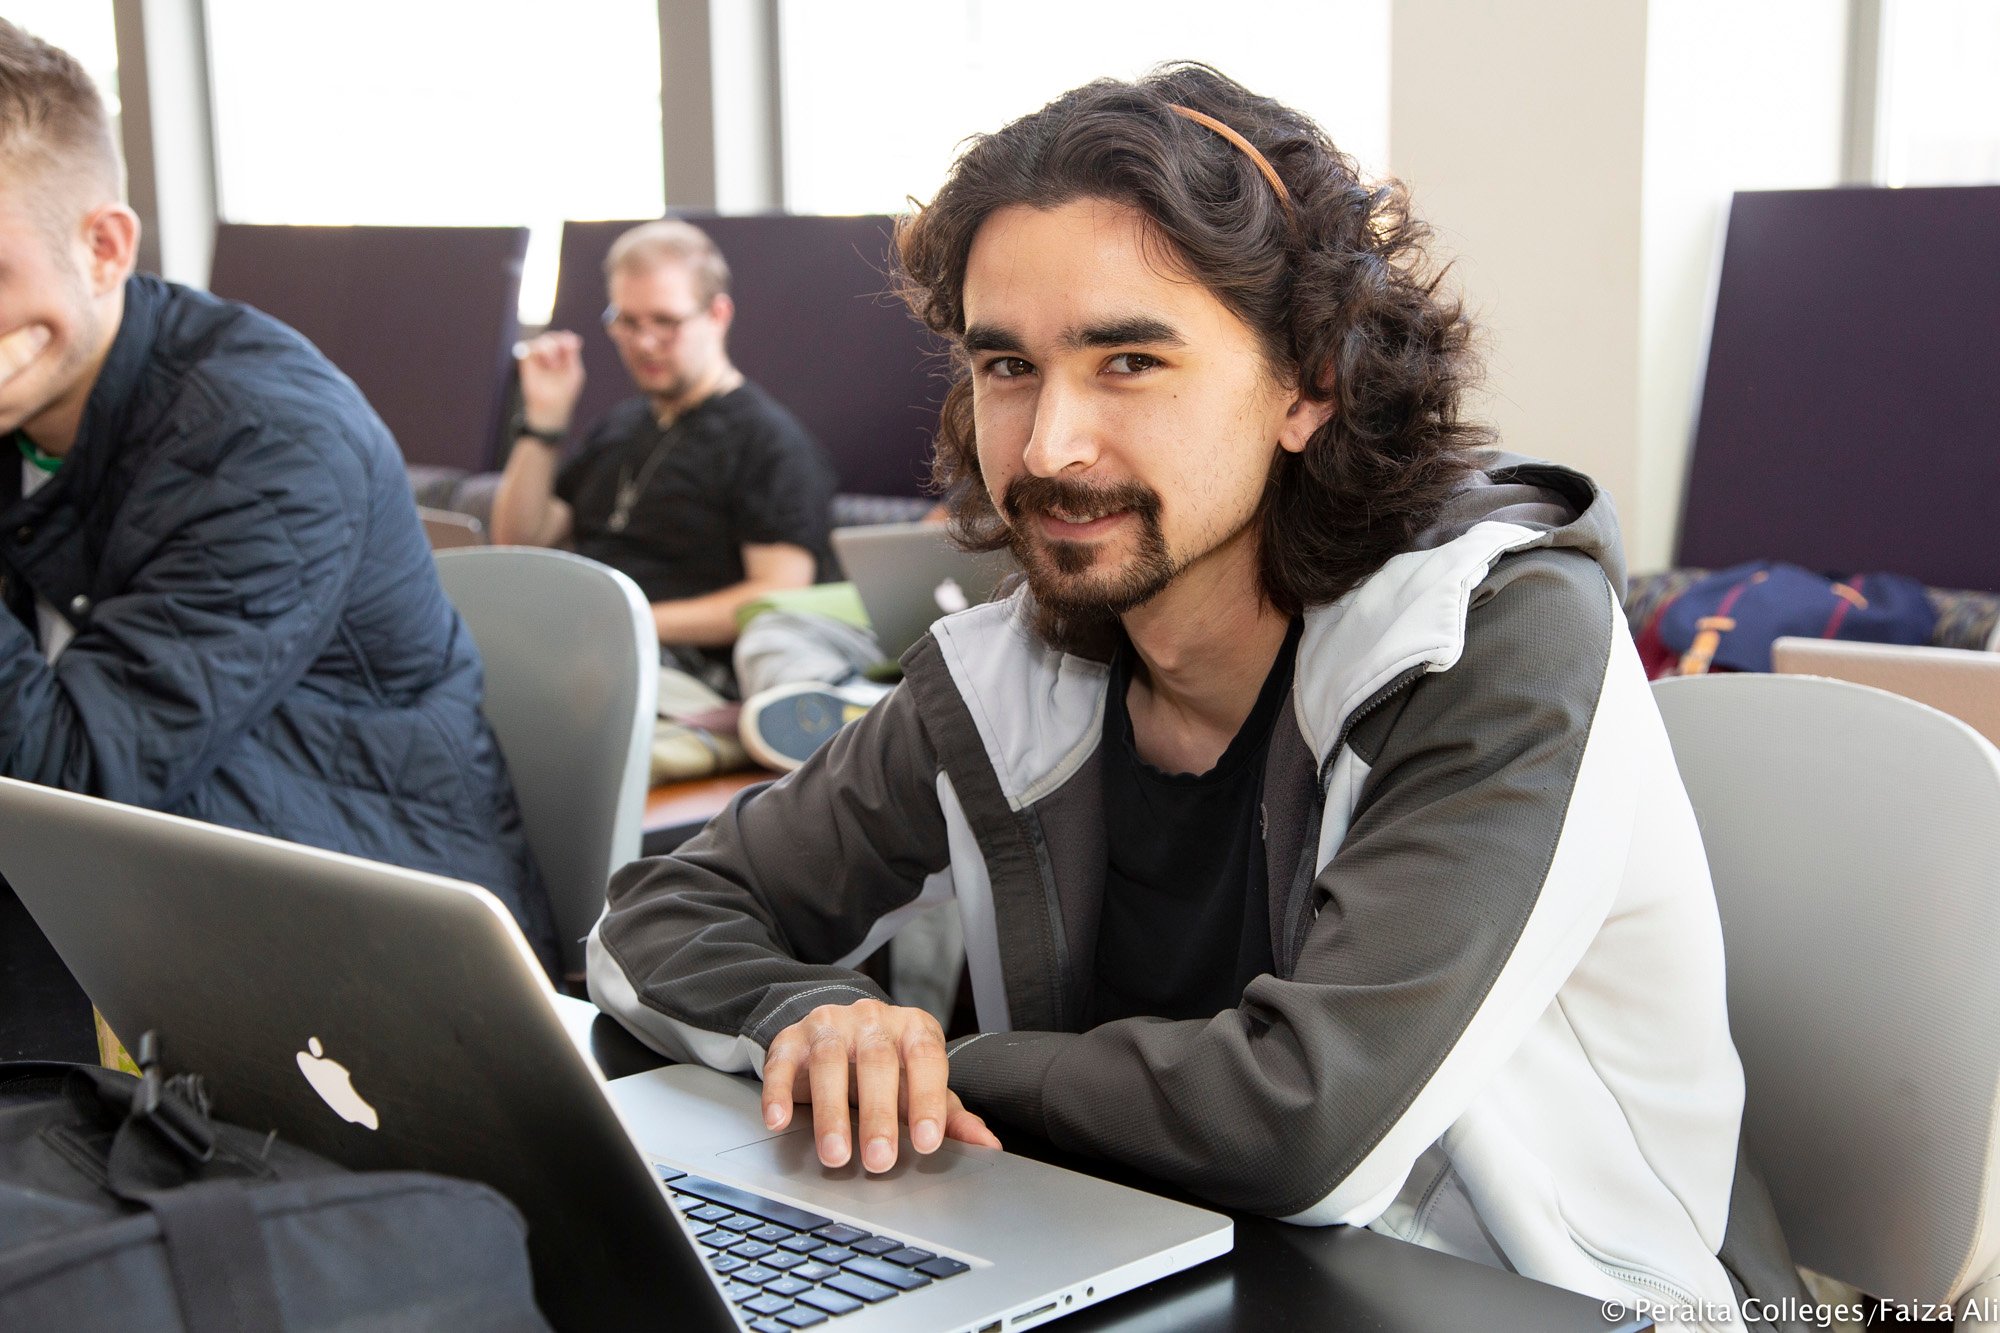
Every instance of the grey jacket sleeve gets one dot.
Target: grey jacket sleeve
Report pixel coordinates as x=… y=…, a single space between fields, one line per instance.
x=1271 y=1106
x=708 y=953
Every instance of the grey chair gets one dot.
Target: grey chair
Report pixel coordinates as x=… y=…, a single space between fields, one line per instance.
x=572 y=674
x=1854 y=840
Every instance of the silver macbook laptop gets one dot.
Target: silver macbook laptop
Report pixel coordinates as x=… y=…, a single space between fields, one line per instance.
x=396 y=1020
x=447 y=530
x=910 y=574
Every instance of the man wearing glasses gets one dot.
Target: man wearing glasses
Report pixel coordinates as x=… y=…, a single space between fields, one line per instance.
x=702 y=488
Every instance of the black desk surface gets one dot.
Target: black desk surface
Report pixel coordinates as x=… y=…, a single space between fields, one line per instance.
x=1279 y=1277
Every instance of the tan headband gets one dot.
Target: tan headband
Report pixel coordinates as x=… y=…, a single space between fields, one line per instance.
x=1249 y=150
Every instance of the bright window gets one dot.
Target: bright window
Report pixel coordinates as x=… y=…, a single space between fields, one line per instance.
x=879 y=93
x=439 y=113
x=1940 y=108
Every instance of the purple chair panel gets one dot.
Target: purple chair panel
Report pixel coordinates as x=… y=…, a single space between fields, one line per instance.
x=1850 y=413
x=423 y=319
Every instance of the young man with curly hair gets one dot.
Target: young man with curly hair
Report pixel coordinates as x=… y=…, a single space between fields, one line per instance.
x=1317 y=845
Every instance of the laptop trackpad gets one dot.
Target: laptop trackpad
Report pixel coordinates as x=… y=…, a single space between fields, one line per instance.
x=790 y=1157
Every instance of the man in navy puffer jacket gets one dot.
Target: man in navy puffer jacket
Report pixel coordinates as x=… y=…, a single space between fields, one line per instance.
x=222 y=604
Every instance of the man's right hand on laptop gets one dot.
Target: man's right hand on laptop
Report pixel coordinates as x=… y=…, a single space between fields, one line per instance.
x=889 y=1061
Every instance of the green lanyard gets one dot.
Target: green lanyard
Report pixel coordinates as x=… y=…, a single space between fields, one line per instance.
x=46 y=462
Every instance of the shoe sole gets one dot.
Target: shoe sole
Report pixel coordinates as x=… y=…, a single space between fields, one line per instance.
x=786 y=731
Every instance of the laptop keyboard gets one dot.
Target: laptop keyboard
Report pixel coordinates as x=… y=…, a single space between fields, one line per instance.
x=785 y=1268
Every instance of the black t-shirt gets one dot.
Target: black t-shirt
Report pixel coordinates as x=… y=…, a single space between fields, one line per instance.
x=734 y=470
x=1186 y=922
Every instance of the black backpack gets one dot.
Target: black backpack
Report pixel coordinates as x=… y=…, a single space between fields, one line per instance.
x=123 y=1205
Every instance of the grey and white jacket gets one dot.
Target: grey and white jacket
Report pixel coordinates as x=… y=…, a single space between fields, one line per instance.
x=1495 y=1024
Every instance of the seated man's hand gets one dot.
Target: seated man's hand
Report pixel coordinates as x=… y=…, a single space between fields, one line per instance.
x=551 y=368
x=19 y=347
x=889 y=1061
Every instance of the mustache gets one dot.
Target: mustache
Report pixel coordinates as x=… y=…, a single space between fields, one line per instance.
x=1056 y=496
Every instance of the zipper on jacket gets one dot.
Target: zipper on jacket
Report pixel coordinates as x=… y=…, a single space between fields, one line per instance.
x=1052 y=905
x=1306 y=915
x=1669 y=1294
x=1373 y=702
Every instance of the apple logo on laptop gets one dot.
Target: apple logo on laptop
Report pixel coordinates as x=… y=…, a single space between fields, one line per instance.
x=951 y=598
x=331 y=1080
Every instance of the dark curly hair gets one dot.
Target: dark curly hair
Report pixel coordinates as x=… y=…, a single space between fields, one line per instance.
x=1337 y=288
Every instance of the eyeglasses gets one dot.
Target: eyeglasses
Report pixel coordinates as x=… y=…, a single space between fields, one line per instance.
x=663 y=327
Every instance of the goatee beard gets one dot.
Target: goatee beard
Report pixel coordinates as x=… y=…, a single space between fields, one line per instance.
x=1056 y=570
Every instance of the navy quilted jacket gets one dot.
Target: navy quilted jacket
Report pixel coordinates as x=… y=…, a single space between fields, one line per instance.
x=261 y=638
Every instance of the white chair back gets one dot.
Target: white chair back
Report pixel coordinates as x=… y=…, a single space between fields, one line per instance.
x=1854 y=838
x=572 y=674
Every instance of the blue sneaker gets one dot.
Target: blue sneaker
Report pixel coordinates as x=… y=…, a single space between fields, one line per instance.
x=781 y=727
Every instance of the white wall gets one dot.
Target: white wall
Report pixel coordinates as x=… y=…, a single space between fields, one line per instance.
x=1577 y=155
x=946 y=69
x=1518 y=128
x=1738 y=97
x=743 y=70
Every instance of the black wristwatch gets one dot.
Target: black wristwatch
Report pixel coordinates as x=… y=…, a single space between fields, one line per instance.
x=553 y=438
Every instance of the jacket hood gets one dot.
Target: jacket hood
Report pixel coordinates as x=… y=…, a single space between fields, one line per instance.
x=1408 y=617
x=1550 y=498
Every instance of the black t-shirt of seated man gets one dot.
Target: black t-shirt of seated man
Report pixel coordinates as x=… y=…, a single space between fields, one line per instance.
x=1185 y=924
x=734 y=470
